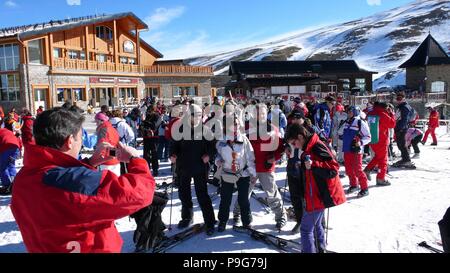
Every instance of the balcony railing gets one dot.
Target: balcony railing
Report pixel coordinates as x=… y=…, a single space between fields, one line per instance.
x=75 y=64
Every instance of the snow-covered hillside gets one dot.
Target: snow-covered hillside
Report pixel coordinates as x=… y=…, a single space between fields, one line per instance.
x=390 y=220
x=378 y=43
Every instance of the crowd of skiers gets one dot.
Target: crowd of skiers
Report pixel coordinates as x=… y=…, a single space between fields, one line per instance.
x=242 y=147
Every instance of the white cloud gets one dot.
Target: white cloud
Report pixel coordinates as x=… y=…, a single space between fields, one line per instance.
x=374 y=2
x=73 y=2
x=11 y=4
x=163 y=16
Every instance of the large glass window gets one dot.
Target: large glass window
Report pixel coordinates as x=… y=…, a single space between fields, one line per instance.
x=35 y=51
x=438 y=87
x=152 y=92
x=345 y=84
x=104 y=33
x=9 y=57
x=361 y=84
x=101 y=58
x=332 y=88
x=316 y=88
x=9 y=87
x=179 y=91
x=73 y=54
x=65 y=94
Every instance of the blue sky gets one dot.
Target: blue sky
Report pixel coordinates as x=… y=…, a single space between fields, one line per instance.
x=181 y=29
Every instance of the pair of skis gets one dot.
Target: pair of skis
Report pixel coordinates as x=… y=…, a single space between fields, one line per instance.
x=174 y=240
x=282 y=245
x=432 y=249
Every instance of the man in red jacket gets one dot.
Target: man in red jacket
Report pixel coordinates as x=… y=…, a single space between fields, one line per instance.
x=65 y=205
x=9 y=152
x=386 y=121
x=27 y=127
x=433 y=123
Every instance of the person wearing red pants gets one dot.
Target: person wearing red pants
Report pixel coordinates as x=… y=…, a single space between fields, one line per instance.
x=356 y=136
x=433 y=123
x=387 y=121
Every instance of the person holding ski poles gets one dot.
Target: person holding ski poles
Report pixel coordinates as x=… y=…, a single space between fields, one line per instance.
x=236 y=160
x=321 y=182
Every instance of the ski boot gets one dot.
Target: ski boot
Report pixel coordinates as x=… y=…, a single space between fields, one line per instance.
x=351 y=190
x=222 y=226
x=185 y=223
x=367 y=172
x=434 y=144
x=363 y=193
x=383 y=183
x=404 y=165
x=416 y=156
x=210 y=230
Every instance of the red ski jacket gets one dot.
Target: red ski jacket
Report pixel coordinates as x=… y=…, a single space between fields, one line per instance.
x=433 y=121
x=387 y=121
x=107 y=133
x=266 y=148
x=8 y=140
x=323 y=187
x=27 y=130
x=62 y=205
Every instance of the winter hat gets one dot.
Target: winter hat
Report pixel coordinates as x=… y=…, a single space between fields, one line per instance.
x=298 y=114
x=339 y=108
x=101 y=116
x=297 y=100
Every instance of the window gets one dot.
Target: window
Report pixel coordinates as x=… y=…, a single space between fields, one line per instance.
x=123 y=60
x=131 y=60
x=35 y=51
x=101 y=58
x=361 y=84
x=104 y=33
x=128 y=47
x=438 y=87
x=9 y=87
x=332 y=88
x=9 y=57
x=82 y=55
x=73 y=54
x=122 y=93
x=65 y=94
x=345 y=84
x=152 y=91
x=57 y=53
x=179 y=91
x=316 y=88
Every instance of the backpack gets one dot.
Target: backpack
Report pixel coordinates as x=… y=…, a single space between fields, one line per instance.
x=116 y=126
x=374 y=126
x=412 y=115
x=150 y=227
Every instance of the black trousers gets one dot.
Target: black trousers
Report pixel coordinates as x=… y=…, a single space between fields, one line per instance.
x=226 y=196
x=296 y=192
x=415 y=143
x=401 y=144
x=201 y=190
x=150 y=153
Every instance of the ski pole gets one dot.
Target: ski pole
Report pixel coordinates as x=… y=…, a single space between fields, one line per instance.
x=171 y=198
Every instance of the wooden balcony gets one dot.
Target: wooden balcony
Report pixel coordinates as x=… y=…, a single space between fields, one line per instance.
x=67 y=65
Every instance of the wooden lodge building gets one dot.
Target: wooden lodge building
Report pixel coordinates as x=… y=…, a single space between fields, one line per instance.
x=289 y=79
x=97 y=59
x=428 y=69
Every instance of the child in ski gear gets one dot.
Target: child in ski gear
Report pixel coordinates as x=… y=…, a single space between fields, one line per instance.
x=323 y=117
x=339 y=118
x=236 y=160
x=192 y=155
x=386 y=121
x=413 y=137
x=64 y=205
x=9 y=152
x=321 y=182
x=356 y=136
x=433 y=123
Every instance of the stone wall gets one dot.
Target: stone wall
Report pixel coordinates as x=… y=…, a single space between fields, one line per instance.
x=415 y=77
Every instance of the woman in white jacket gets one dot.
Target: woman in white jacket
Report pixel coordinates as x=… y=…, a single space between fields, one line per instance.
x=236 y=160
x=126 y=134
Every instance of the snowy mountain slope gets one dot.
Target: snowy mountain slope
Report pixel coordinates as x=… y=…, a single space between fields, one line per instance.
x=378 y=43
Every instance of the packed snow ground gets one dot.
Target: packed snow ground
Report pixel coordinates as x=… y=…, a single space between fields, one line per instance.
x=390 y=220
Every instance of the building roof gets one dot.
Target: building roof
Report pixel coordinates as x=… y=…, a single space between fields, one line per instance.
x=59 y=25
x=295 y=67
x=430 y=52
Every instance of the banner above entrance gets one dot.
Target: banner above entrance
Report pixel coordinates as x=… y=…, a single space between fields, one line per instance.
x=113 y=80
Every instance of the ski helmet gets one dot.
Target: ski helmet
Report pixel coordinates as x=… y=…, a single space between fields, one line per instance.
x=355 y=110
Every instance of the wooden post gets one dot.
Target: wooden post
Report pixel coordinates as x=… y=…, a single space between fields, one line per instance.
x=138 y=47
x=116 y=46
x=86 y=44
x=50 y=48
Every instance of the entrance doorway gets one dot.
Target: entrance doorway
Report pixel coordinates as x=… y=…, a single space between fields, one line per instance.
x=40 y=98
x=104 y=96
